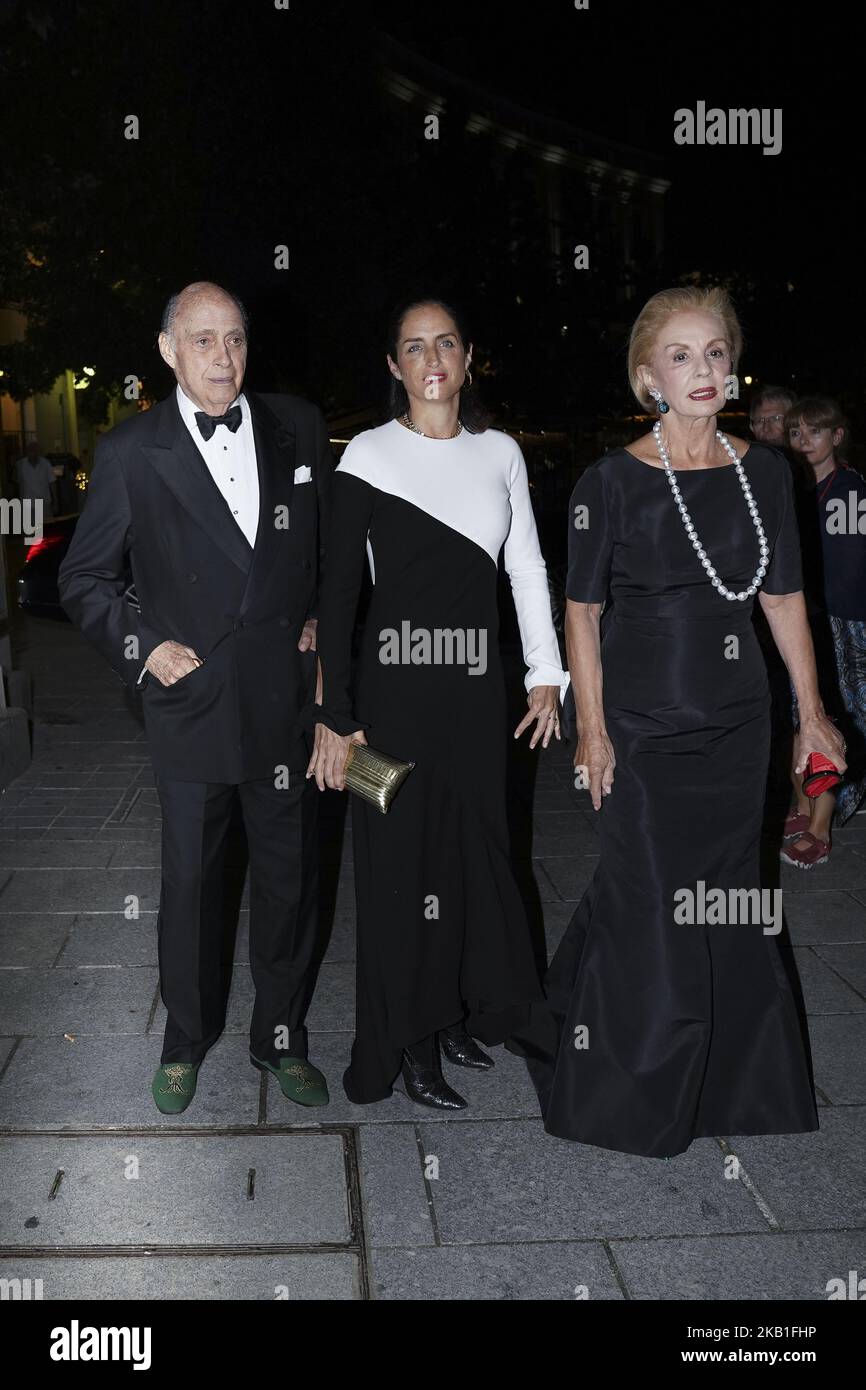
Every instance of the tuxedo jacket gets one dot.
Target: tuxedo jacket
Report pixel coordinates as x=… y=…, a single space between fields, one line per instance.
x=153 y=503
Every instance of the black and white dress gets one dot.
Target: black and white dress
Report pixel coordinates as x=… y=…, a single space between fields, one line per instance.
x=442 y=931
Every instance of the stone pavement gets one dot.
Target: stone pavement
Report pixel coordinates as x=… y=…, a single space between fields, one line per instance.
x=249 y=1197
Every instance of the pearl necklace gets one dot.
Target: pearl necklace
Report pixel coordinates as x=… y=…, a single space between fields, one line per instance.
x=406 y=419
x=690 y=528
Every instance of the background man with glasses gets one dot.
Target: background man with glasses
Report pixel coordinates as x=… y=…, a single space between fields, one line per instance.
x=767 y=415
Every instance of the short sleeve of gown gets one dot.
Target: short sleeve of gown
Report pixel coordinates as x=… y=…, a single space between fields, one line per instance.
x=590 y=541
x=785 y=571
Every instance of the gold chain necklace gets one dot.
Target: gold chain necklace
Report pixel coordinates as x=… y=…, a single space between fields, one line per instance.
x=406 y=419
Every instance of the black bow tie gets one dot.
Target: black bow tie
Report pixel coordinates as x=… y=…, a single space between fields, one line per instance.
x=208 y=423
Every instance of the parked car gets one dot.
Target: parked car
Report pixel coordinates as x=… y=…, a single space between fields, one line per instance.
x=37 y=582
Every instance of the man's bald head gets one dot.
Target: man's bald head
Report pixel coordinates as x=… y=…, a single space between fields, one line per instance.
x=204 y=340
x=188 y=294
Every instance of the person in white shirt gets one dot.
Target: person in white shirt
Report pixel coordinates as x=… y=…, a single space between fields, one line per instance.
x=36 y=479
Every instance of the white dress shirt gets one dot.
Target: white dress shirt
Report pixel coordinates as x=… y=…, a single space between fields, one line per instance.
x=231 y=462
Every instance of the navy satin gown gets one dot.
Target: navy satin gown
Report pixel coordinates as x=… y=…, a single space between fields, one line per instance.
x=682 y=1029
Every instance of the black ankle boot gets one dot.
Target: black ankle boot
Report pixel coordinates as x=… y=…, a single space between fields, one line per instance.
x=462 y=1049
x=427 y=1086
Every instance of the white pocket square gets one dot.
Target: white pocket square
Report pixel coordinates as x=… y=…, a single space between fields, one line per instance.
x=303 y=474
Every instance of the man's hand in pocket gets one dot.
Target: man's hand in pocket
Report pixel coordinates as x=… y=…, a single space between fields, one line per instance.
x=170 y=661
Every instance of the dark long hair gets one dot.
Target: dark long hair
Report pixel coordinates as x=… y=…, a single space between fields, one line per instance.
x=474 y=415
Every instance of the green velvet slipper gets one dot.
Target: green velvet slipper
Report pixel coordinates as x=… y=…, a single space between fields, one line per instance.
x=174 y=1086
x=299 y=1080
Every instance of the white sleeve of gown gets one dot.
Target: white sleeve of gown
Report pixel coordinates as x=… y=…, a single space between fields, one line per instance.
x=527 y=571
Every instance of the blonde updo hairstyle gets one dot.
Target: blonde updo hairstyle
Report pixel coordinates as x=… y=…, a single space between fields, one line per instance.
x=655 y=314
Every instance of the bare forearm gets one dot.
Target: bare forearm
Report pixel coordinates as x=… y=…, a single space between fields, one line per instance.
x=786 y=614
x=583 y=650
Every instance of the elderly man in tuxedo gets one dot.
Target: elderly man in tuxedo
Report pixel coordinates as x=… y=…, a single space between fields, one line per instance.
x=217 y=499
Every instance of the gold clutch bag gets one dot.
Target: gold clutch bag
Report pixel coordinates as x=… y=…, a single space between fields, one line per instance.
x=373 y=775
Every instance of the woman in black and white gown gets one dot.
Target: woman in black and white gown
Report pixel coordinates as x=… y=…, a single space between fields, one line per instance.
x=443 y=947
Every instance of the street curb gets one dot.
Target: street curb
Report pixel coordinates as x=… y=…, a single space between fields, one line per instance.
x=14 y=745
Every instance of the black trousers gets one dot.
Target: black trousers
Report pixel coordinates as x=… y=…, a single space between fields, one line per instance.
x=281 y=835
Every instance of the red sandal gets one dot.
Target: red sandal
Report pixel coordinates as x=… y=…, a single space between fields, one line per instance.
x=815 y=853
x=796 y=824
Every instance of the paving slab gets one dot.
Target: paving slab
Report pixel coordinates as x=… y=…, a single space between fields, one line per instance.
x=508 y=1181
x=107 y=834
x=341 y=938
x=823 y=991
x=849 y=962
x=189 y=1190
x=556 y=918
x=846 y=870
x=569 y=877
x=50 y=855
x=109 y=939
x=79 y=1001
x=22 y=826
x=79 y=890
x=757 y=1268
x=566 y=1270
x=299 y=1278
x=396 y=1205
x=812 y=1181
x=581 y=841
x=559 y=823
x=136 y=854
x=32 y=939
x=838 y=1044
x=6 y=1047
x=824 y=917
x=52 y=1084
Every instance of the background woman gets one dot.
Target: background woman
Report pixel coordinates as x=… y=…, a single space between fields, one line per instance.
x=443 y=945
x=833 y=533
